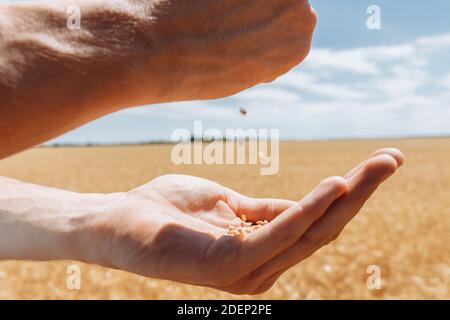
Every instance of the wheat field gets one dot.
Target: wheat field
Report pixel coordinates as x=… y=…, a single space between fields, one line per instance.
x=404 y=229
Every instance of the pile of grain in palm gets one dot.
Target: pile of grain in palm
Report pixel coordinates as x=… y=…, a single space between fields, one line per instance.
x=246 y=226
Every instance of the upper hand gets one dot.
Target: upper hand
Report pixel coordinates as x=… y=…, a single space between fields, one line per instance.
x=211 y=49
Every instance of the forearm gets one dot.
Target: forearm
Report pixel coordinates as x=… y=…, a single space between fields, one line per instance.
x=134 y=52
x=54 y=79
x=41 y=223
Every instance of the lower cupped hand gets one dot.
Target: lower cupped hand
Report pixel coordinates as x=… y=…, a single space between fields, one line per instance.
x=175 y=227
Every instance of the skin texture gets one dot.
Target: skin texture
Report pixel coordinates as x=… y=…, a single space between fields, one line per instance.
x=130 y=53
x=127 y=53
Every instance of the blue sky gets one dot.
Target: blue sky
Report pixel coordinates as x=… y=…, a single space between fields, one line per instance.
x=356 y=82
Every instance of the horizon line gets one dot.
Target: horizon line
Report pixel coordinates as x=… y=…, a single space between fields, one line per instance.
x=169 y=142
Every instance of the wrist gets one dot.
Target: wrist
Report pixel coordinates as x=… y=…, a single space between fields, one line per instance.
x=41 y=223
x=118 y=227
x=87 y=233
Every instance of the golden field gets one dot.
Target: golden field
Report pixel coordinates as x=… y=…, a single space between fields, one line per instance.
x=404 y=228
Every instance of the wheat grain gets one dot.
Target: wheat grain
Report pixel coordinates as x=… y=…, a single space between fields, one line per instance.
x=246 y=226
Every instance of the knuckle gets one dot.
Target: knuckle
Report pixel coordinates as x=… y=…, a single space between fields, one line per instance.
x=307 y=15
x=311 y=20
x=335 y=184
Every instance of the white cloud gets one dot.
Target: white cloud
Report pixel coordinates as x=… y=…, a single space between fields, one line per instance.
x=445 y=81
x=307 y=82
x=268 y=93
x=357 y=60
x=345 y=60
x=435 y=41
x=400 y=81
